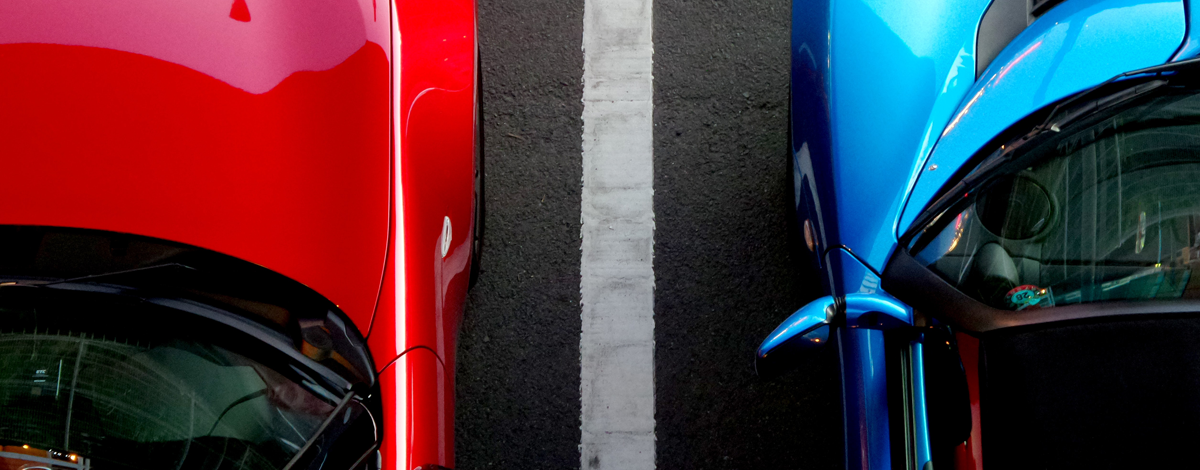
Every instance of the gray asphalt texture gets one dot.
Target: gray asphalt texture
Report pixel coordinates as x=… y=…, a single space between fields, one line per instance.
x=517 y=388
x=725 y=275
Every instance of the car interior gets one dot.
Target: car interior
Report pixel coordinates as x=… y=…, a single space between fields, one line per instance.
x=1094 y=219
x=1110 y=212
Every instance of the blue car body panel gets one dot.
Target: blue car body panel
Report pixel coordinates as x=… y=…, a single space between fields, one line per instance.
x=864 y=395
x=810 y=119
x=855 y=276
x=920 y=412
x=883 y=90
x=810 y=324
x=1075 y=46
x=878 y=61
x=850 y=83
x=1191 y=44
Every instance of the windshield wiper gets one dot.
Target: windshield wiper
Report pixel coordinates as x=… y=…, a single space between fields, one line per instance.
x=320 y=431
x=116 y=273
x=1080 y=111
x=1078 y=106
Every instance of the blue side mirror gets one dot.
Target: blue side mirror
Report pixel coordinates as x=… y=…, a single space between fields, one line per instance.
x=809 y=328
x=877 y=311
x=805 y=330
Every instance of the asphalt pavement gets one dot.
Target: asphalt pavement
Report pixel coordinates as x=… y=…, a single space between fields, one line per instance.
x=725 y=275
x=517 y=388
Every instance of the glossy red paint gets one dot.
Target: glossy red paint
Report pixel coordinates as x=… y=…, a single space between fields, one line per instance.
x=412 y=389
x=327 y=140
x=144 y=146
x=423 y=292
x=240 y=11
x=113 y=122
x=281 y=38
x=969 y=455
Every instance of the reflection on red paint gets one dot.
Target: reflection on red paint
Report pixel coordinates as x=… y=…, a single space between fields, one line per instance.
x=295 y=179
x=209 y=37
x=271 y=142
x=969 y=455
x=240 y=11
x=415 y=414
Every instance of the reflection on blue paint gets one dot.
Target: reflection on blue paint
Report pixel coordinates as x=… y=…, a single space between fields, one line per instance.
x=1191 y=44
x=802 y=323
x=878 y=311
x=852 y=275
x=1075 y=46
x=883 y=91
x=890 y=61
x=923 y=452
x=864 y=398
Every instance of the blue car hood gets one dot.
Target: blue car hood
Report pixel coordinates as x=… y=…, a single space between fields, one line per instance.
x=1074 y=47
x=882 y=91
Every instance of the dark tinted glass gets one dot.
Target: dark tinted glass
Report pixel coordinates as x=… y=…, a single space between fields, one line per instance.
x=1113 y=393
x=164 y=269
x=1015 y=209
x=109 y=382
x=1106 y=209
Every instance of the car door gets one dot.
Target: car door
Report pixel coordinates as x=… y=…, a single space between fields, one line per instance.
x=1056 y=293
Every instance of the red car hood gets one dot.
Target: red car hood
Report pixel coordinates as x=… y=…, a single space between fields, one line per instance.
x=255 y=128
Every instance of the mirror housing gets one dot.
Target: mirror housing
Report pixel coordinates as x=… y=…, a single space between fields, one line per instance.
x=809 y=328
x=877 y=311
x=805 y=330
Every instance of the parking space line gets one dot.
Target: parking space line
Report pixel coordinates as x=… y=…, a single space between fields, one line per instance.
x=617 y=275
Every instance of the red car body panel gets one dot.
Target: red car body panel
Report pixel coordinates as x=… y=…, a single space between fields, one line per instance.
x=327 y=140
x=969 y=454
x=416 y=378
x=109 y=140
x=425 y=287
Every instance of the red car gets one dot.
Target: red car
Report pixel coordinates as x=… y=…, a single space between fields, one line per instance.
x=235 y=233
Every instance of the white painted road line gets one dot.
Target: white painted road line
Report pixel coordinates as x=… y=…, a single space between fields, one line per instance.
x=617 y=273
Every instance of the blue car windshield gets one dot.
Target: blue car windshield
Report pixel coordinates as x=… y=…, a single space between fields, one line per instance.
x=1106 y=208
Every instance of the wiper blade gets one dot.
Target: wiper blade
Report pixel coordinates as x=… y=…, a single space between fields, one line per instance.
x=1048 y=125
x=1078 y=107
x=320 y=431
x=116 y=273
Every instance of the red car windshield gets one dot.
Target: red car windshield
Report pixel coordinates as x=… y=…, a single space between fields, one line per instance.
x=104 y=381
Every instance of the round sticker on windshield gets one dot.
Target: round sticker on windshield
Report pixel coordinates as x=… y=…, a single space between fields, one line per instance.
x=1029 y=296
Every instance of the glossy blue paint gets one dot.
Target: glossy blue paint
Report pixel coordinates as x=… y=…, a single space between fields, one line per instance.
x=882 y=90
x=850 y=274
x=864 y=399
x=864 y=391
x=1073 y=47
x=856 y=66
x=887 y=60
x=810 y=119
x=803 y=328
x=920 y=415
x=878 y=311
x=1191 y=44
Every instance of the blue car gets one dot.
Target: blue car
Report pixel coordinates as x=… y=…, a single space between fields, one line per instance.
x=1003 y=200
